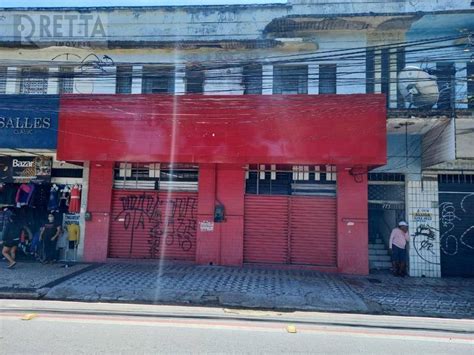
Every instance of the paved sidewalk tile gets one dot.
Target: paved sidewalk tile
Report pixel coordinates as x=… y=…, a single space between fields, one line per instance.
x=437 y=297
x=34 y=275
x=227 y=286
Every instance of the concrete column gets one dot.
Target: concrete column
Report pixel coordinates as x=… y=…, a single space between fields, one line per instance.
x=378 y=72
x=99 y=204
x=267 y=79
x=393 y=79
x=137 y=71
x=12 y=85
x=423 y=220
x=313 y=79
x=179 y=79
x=53 y=81
x=220 y=243
x=82 y=222
x=352 y=222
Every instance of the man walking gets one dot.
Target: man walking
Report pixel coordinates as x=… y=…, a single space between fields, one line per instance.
x=11 y=239
x=397 y=244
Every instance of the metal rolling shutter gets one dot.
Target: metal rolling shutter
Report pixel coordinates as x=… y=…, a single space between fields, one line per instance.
x=313 y=230
x=152 y=225
x=266 y=229
x=290 y=230
x=456 y=214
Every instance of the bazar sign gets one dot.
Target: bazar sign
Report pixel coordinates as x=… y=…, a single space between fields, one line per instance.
x=29 y=121
x=25 y=169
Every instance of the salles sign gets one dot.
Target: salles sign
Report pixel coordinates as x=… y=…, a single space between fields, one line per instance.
x=28 y=121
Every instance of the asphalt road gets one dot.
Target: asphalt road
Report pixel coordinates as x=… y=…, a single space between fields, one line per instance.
x=68 y=328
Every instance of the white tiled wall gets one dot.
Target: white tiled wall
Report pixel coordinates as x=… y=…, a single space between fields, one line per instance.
x=423 y=217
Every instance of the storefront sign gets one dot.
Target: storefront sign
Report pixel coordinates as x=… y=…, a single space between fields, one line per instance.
x=25 y=169
x=423 y=215
x=70 y=218
x=206 y=226
x=28 y=121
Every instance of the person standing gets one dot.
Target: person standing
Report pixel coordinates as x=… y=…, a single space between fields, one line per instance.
x=397 y=244
x=11 y=239
x=49 y=236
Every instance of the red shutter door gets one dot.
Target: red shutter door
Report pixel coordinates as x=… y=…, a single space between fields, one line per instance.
x=313 y=230
x=151 y=224
x=266 y=229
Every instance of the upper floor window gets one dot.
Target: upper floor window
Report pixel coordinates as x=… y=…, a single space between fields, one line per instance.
x=194 y=80
x=123 y=81
x=66 y=80
x=3 y=79
x=157 y=79
x=290 y=79
x=252 y=79
x=370 y=71
x=470 y=85
x=327 y=78
x=34 y=80
x=446 y=85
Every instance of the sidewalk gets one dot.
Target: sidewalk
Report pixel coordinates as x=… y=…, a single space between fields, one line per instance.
x=248 y=287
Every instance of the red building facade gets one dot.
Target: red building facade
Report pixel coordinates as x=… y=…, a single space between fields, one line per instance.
x=222 y=136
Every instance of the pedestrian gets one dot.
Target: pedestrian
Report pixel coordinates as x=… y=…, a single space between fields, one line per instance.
x=11 y=239
x=49 y=235
x=397 y=244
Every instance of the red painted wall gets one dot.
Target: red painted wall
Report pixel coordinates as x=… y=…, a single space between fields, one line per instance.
x=300 y=129
x=225 y=184
x=352 y=222
x=99 y=202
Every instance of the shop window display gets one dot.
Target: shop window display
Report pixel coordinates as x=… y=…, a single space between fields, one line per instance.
x=31 y=203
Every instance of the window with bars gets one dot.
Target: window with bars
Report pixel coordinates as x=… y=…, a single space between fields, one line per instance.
x=456 y=179
x=123 y=81
x=327 y=78
x=446 y=85
x=156 y=176
x=66 y=80
x=386 y=177
x=470 y=85
x=264 y=179
x=34 y=80
x=252 y=79
x=158 y=80
x=370 y=71
x=385 y=74
x=290 y=79
x=194 y=77
x=3 y=79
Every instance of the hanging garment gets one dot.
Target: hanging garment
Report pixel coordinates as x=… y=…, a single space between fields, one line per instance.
x=24 y=193
x=63 y=240
x=53 y=198
x=64 y=199
x=73 y=232
x=8 y=194
x=40 y=197
x=75 y=203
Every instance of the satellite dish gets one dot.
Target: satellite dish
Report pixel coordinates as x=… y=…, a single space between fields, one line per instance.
x=418 y=87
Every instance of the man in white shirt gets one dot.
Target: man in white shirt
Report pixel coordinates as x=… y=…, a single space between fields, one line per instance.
x=397 y=244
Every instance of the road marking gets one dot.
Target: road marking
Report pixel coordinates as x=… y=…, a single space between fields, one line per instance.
x=252 y=326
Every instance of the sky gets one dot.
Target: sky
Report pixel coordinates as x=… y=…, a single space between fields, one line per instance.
x=96 y=3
